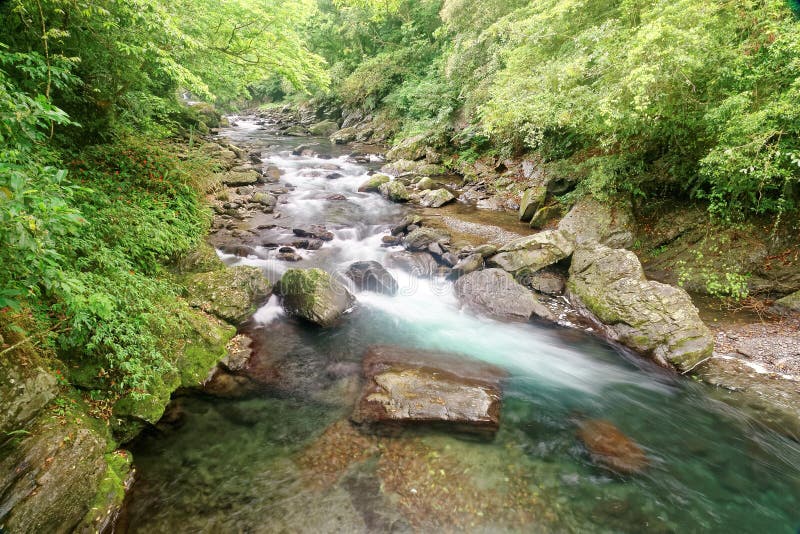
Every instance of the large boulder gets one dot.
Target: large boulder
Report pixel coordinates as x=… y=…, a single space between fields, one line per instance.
x=374 y=183
x=425 y=183
x=496 y=293
x=406 y=166
x=545 y=214
x=788 y=304
x=411 y=387
x=394 y=191
x=201 y=259
x=421 y=238
x=467 y=265
x=313 y=295
x=533 y=252
x=323 y=128
x=410 y=148
x=532 y=200
x=606 y=223
x=231 y=294
x=436 y=198
x=235 y=179
x=372 y=276
x=654 y=319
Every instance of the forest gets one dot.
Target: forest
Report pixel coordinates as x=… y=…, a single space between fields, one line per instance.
x=109 y=175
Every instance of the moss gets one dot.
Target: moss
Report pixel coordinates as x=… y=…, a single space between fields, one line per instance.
x=110 y=493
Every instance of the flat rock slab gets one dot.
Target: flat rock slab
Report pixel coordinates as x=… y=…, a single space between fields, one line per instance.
x=405 y=386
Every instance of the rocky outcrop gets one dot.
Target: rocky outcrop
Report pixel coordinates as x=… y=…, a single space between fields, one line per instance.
x=436 y=198
x=654 y=319
x=394 y=191
x=372 y=276
x=533 y=252
x=51 y=477
x=496 y=293
x=612 y=449
x=231 y=294
x=313 y=295
x=592 y=221
x=412 y=387
x=374 y=183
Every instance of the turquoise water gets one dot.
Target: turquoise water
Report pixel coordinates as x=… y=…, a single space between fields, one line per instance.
x=283 y=458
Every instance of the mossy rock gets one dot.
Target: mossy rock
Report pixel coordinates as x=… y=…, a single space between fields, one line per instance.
x=411 y=148
x=545 y=214
x=789 y=303
x=323 y=128
x=395 y=191
x=654 y=319
x=425 y=183
x=313 y=295
x=110 y=495
x=436 y=198
x=374 y=183
x=202 y=259
x=531 y=202
x=231 y=294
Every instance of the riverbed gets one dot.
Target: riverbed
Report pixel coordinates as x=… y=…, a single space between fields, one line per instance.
x=284 y=458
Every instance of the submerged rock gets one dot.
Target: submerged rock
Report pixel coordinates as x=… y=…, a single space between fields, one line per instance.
x=590 y=220
x=406 y=386
x=231 y=294
x=372 y=276
x=496 y=293
x=612 y=449
x=533 y=252
x=313 y=295
x=436 y=198
x=394 y=191
x=374 y=183
x=654 y=319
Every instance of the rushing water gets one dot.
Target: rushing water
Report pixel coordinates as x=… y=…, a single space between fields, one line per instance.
x=281 y=460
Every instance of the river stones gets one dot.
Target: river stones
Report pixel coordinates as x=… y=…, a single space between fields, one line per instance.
x=313 y=295
x=436 y=198
x=494 y=292
x=372 y=276
x=395 y=191
x=654 y=319
x=231 y=294
x=592 y=221
x=374 y=183
x=314 y=232
x=612 y=449
x=405 y=386
x=421 y=238
x=533 y=252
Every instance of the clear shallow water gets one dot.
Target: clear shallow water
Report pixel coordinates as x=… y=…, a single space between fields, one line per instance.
x=282 y=460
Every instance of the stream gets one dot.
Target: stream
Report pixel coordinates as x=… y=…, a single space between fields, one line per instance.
x=283 y=458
